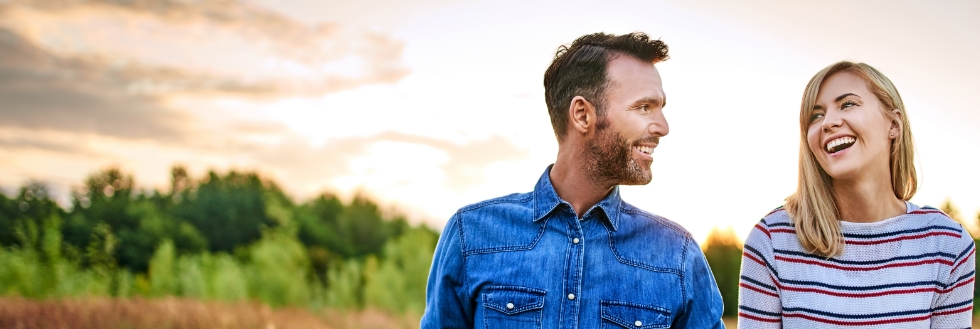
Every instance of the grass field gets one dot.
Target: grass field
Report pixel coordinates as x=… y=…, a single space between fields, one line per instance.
x=174 y=313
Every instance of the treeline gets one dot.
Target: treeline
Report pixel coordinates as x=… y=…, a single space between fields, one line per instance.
x=236 y=237
x=219 y=237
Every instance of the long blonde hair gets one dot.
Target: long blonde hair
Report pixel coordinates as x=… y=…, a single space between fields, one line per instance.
x=814 y=207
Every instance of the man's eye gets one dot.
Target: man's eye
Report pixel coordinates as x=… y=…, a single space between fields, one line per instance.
x=644 y=108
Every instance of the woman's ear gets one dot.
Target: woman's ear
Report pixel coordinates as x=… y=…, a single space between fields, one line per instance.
x=896 y=127
x=581 y=115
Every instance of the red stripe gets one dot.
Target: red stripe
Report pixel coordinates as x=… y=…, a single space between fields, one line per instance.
x=959 y=285
x=900 y=238
x=753 y=317
x=964 y=260
x=959 y=310
x=862 y=323
x=865 y=294
x=759 y=290
x=752 y=257
x=839 y=267
x=764 y=230
x=871 y=242
x=922 y=212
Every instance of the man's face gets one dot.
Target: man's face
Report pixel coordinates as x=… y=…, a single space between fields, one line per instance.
x=621 y=150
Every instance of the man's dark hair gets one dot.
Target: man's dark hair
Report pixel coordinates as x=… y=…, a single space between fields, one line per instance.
x=580 y=70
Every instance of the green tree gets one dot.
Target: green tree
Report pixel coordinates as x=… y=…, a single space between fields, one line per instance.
x=228 y=211
x=724 y=254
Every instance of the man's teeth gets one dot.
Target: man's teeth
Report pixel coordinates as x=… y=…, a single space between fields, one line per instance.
x=645 y=149
x=837 y=142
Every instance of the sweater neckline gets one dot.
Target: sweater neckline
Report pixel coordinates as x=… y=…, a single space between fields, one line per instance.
x=909 y=207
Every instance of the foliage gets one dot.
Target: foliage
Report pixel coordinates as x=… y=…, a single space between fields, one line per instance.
x=232 y=237
x=724 y=254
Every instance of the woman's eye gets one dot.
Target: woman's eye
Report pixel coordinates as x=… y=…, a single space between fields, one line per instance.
x=848 y=104
x=815 y=116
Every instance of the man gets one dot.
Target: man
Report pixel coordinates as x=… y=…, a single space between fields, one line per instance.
x=572 y=254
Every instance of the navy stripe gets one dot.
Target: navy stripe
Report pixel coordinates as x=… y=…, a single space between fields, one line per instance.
x=763 y=258
x=758 y=311
x=755 y=282
x=867 y=262
x=784 y=224
x=968 y=248
x=863 y=288
x=965 y=276
x=963 y=303
x=918 y=230
x=856 y=316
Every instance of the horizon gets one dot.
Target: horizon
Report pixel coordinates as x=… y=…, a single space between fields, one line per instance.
x=431 y=105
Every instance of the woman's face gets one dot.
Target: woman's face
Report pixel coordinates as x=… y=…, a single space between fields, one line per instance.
x=849 y=132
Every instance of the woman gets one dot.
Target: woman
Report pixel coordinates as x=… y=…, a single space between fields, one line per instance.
x=848 y=249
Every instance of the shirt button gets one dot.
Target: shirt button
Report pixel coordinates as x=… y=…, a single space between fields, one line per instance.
x=571 y=296
x=575 y=240
x=638 y=323
x=510 y=306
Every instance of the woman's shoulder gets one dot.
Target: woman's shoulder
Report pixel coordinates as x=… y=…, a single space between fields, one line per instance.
x=930 y=220
x=775 y=221
x=778 y=217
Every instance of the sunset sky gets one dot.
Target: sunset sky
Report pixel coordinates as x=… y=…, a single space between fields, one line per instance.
x=430 y=105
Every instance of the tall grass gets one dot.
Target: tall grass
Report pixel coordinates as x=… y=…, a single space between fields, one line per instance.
x=274 y=271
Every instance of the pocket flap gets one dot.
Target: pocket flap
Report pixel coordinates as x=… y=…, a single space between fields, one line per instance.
x=630 y=315
x=512 y=300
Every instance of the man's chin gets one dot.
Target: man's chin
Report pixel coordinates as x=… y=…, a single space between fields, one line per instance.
x=640 y=179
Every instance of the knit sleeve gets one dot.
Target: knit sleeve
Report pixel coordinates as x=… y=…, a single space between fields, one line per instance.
x=758 y=296
x=953 y=305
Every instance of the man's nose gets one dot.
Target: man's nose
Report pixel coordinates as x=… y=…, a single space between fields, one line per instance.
x=658 y=126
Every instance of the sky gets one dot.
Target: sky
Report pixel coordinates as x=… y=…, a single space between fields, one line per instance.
x=430 y=105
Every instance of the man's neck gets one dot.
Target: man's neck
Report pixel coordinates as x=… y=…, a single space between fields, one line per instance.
x=572 y=183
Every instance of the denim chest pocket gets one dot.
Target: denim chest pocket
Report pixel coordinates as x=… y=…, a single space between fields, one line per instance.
x=629 y=315
x=512 y=307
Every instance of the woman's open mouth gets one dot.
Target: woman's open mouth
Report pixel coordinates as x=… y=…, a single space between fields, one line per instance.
x=839 y=144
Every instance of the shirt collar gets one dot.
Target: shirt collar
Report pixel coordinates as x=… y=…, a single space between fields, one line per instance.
x=546 y=200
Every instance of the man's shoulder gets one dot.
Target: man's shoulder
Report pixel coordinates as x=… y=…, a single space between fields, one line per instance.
x=646 y=222
x=500 y=224
x=513 y=201
x=650 y=241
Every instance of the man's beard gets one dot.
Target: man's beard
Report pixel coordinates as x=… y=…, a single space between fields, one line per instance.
x=610 y=159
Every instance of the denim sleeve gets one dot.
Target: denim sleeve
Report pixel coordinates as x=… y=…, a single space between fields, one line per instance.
x=703 y=305
x=446 y=302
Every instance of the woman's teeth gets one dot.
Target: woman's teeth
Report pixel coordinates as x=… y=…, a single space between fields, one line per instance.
x=839 y=144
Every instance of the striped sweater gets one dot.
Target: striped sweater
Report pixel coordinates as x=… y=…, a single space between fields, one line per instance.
x=915 y=270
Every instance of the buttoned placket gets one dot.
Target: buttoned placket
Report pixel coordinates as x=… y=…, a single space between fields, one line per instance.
x=572 y=301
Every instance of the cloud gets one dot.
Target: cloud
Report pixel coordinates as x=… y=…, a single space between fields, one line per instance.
x=168 y=46
x=109 y=67
x=44 y=92
x=463 y=168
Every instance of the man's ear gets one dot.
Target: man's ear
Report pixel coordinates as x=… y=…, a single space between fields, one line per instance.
x=896 y=128
x=581 y=115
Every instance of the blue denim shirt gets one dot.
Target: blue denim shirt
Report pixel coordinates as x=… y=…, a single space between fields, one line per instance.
x=528 y=261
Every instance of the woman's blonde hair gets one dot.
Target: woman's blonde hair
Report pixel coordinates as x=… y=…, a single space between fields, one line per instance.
x=814 y=207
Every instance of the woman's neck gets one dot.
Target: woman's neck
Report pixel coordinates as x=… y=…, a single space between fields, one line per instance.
x=867 y=200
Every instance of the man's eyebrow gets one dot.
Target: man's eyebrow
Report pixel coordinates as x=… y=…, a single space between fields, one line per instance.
x=652 y=100
x=843 y=96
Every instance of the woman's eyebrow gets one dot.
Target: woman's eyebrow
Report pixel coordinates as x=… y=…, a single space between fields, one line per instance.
x=845 y=95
